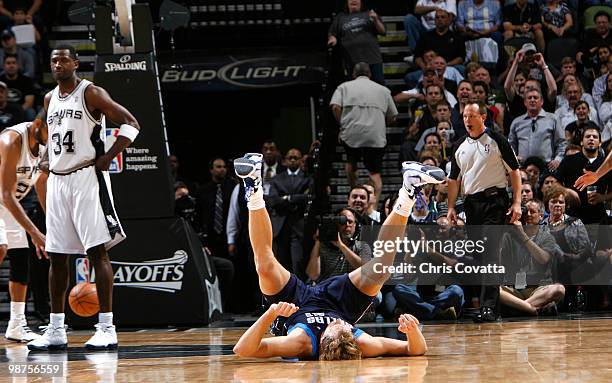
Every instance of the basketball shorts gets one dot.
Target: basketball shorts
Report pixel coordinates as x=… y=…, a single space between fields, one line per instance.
x=337 y=294
x=11 y=232
x=80 y=212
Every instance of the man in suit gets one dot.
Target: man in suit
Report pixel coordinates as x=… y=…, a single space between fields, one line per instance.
x=287 y=201
x=213 y=206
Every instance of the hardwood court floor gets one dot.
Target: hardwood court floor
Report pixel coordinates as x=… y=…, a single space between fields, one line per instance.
x=578 y=350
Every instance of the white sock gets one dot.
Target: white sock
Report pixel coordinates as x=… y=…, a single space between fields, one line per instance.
x=405 y=202
x=57 y=320
x=256 y=200
x=17 y=310
x=106 y=318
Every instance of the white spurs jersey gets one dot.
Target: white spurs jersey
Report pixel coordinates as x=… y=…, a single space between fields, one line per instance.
x=71 y=128
x=27 y=165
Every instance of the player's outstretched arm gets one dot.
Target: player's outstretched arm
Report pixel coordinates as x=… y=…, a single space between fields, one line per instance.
x=589 y=178
x=414 y=346
x=99 y=99
x=10 y=151
x=252 y=343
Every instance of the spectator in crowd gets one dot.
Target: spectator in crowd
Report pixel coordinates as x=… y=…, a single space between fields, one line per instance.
x=464 y=95
x=570 y=235
x=337 y=250
x=21 y=17
x=363 y=109
x=287 y=203
x=568 y=67
x=605 y=114
x=534 y=166
x=594 y=38
x=572 y=149
x=427 y=113
x=428 y=10
x=565 y=113
x=515 y=104
x=446 y=43
x=573 y=130
x=470 y=70
x=355 y=30
x=25 y=58
x=484 y=182
x=529 y=61
x=372 y=211
x=480 y=18
x=522 y=19
x=430 y=77
x=10 y=113
x=213 y=204
x=272 y=164
x=358 y=200
x=450 y=76
x=570 y=79
x=592 y=208
x=548 y=180
x=20 y=87
x=600 y=85
x=526 y=193
x=537 y=133
x=481 y=94
x=556 y=19
x=529 y=254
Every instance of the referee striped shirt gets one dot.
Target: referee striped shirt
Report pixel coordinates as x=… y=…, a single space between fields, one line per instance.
x=483 y=162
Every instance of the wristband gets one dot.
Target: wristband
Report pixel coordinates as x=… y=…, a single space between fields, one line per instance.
x=545 y=67
x=128 y=131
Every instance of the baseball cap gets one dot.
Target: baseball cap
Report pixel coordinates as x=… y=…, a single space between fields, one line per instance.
x=7 y=34
x=529 y=47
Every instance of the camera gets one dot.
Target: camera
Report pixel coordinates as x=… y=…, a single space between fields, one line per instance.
x=328 y=227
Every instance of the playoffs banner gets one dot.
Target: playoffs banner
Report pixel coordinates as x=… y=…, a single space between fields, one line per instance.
x=161 y=277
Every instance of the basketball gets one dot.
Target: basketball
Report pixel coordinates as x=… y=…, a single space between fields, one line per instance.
x=83 y=299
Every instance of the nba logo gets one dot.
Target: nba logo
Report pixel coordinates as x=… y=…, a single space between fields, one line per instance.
x=82 y=270
x=116 y=165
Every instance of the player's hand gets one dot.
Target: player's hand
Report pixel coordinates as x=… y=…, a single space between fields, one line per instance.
x=283 y=309
x=588 y=178
x=38 y=239
x=407 y=324
x=103 y=162
x=514 y=212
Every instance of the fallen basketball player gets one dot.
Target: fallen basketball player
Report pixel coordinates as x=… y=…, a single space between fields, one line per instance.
x=319 y=319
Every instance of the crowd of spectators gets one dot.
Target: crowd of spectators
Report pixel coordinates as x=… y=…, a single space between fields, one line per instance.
x=556 y=116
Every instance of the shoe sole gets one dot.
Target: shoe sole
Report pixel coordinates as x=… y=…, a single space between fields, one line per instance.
x=244 y=167
x=427 y=181
x=101 y=348
x=19 y=340
x=59 y=347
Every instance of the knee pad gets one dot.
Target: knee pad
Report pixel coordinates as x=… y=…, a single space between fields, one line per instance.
x=19 y=265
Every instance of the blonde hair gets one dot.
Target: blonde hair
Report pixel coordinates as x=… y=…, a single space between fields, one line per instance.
x=341 y=347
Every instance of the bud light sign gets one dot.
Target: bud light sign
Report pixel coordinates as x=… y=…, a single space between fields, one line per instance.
x=116 y=165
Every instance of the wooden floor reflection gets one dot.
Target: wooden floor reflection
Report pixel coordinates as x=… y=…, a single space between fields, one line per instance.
x=524 y=351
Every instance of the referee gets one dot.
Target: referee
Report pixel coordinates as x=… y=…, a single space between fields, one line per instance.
x=481 y=161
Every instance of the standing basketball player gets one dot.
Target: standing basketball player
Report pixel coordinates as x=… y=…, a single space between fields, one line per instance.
x=20 y=148
x=320 y=318
x=80 y=213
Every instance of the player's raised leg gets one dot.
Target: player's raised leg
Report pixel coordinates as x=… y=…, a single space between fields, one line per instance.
x=370 y=277
x=272 y=275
